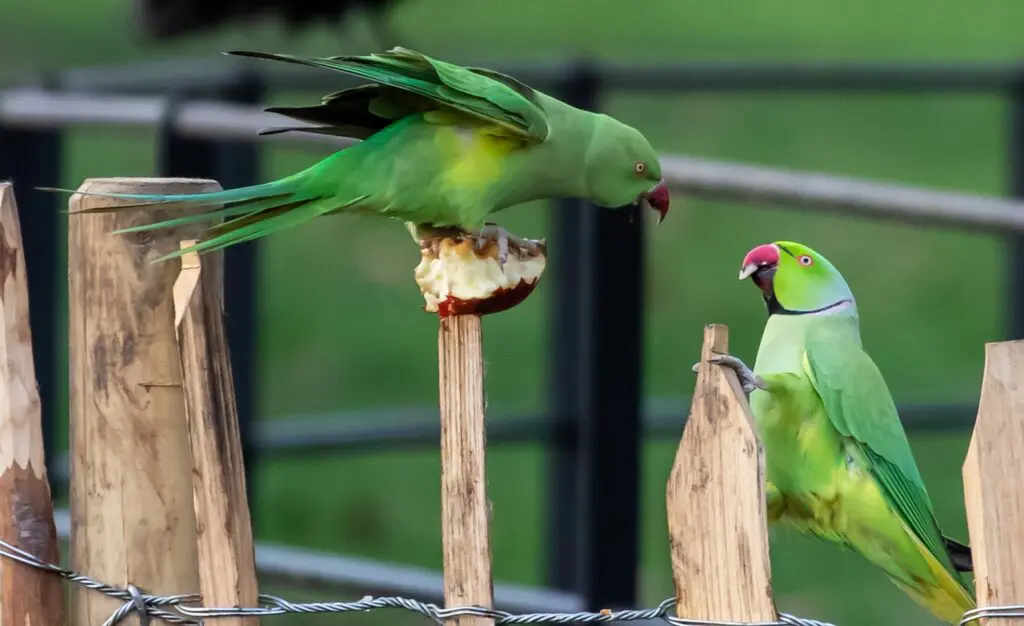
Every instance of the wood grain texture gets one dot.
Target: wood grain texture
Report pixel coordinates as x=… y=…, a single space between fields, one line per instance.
x=992 y=480
x=464 y=505
x=227 y=562
x=715 y=499
x=131 y=485
x=27 y=595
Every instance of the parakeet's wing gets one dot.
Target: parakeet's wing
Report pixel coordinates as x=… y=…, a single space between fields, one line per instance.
x=860 y=406
x=407 y=82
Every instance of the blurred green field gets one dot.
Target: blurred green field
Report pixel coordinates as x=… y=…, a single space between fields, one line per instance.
x=340 y=335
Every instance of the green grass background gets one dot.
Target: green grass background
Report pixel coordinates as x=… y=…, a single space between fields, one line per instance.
x=337 y=334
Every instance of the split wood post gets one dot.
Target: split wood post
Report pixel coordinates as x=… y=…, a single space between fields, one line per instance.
x=464 y=503
x=131 y=487
x=992 y=475
x=715 y=500
x=27 y=595
x=227 y=562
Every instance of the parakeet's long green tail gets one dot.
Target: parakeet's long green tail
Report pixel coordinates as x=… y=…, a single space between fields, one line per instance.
x=252 y=212
x=940 y=590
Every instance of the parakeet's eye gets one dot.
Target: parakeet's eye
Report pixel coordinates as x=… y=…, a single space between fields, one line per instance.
x=640 y=167
x=805 y=260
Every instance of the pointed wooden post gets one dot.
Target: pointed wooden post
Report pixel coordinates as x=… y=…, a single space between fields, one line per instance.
x=227 y=561
x=27 y=595
x=715 y=499
x=993 y=470
x=131 y=468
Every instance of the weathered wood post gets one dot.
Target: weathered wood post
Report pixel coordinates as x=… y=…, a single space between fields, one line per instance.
x=462 y=284
x=464 y=503
x=227 y=561
x=27 y=595
x=131 y=469
x=715 y=499
x=992 y=472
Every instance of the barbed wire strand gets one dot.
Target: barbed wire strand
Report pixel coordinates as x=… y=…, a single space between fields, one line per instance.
x=150 y=606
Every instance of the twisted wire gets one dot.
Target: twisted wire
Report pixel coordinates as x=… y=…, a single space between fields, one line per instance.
x=176 y=609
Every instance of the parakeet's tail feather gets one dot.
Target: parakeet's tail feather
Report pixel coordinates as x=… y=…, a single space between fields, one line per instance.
x=258 y=216
x=256 y=225
x=251 y=212
x=242 y=208
x=228 y=203
x=941 y=591
x=948 y=601
x=224 y=197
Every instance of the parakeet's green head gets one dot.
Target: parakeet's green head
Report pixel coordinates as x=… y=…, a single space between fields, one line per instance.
x=622 y=168
x=794 y=279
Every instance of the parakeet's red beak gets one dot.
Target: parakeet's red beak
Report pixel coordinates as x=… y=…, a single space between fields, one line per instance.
x=761 y=263
x=658 y=199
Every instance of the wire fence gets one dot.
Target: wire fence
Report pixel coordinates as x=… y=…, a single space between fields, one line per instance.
x=175 y=610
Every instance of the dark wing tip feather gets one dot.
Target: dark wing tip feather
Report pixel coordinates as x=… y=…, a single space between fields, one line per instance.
x=269 y=56
x=250 y=53
x=278 y=131
x=959 y=554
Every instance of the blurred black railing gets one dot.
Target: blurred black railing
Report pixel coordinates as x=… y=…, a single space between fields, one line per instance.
x=593 y=427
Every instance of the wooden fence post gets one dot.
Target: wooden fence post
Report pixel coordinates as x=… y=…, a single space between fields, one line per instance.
x=131 y=486
x=227 y=561
x=27 y=595
x=461 y=285
x=715 y=499
x=992 y=474
x=464 y=503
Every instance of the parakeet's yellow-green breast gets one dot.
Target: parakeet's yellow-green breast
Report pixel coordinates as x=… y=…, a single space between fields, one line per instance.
x=442 y=146
x=838 y=464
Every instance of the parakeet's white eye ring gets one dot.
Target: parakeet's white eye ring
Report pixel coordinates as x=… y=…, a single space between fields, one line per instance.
x=805 y=260
x=640 y=167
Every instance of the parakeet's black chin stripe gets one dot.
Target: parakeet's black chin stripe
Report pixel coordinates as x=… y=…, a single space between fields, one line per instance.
x=774 y=308
x=763 y=279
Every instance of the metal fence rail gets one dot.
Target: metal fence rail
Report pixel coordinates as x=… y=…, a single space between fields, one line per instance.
x=205 y=117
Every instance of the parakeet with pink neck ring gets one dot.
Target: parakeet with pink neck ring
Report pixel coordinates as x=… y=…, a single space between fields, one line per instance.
x=838 y=463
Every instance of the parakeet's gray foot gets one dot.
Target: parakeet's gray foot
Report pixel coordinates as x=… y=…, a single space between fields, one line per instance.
x=490 y=229
x=749 y=381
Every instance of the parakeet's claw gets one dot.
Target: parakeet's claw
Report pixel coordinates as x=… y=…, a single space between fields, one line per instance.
x=749 y=381
x=491 y=229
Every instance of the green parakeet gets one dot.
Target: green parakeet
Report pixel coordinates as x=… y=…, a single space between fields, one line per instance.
x=443 y=147
x=838 y=464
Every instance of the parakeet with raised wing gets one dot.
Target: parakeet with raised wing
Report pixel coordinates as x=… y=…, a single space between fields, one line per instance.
x=442 y=147
x=838 y=464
